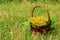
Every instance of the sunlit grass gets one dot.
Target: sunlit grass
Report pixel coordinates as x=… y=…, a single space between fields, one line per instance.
x=12 y=15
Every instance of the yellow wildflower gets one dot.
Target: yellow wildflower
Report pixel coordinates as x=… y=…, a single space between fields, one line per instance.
x=38 y=21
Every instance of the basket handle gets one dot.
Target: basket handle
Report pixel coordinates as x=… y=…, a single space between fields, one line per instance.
x=45 y=9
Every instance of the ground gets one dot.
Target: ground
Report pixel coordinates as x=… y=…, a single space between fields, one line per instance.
x=12 y=15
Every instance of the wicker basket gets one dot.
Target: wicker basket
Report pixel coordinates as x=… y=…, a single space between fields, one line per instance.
x=44 y=29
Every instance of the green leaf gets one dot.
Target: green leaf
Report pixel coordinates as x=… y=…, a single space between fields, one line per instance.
x=52 y=20
x=27 y=24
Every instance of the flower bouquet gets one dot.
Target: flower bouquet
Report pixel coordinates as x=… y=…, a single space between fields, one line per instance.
x=40 y=24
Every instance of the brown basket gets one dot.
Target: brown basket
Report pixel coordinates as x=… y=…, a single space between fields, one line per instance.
x=44 y=28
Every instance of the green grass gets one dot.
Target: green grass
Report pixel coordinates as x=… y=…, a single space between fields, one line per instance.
x=9 y=1
x=12 y=15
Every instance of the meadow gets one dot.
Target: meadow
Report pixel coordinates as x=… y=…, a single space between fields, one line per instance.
x=14 y=14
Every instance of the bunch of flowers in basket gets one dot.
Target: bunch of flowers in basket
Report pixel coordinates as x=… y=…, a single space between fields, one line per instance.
x=38 y=21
